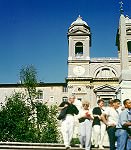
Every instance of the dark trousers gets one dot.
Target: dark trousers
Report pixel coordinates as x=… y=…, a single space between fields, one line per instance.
x=112 y=138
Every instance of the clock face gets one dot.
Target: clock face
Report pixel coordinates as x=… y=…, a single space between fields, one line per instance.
x=79 y=70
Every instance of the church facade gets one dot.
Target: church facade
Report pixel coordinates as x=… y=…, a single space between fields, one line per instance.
x=88 y=78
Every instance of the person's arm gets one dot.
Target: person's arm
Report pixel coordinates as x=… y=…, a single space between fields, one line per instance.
x=97 y=116
x=76 y=110
x=104 y=118
x=62 y=105
x=124 y=119
x=127 y=124
x=89 y=116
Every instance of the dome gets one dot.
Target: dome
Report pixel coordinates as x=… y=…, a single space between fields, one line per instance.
x=79 y=21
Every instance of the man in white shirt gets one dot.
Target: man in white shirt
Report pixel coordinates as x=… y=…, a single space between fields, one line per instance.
x=67 y=124
x=110 y=118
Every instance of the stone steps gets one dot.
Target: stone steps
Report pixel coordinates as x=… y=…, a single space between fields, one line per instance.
x=36 y=146
x=33 y=146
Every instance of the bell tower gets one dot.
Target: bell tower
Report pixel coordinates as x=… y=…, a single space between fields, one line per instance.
x=124 y=48
x=79 y=42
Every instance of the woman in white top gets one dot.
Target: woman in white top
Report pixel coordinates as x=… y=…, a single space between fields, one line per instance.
x=85 y=125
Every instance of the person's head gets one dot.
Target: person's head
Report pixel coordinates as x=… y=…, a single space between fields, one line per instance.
x=85 y=104
x=127 y=103
x=110 y=103
x=116 y=103
x=71 y=99
x=100 y=103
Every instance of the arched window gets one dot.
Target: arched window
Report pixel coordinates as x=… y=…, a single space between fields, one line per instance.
x=105 y=73
x=79 y=49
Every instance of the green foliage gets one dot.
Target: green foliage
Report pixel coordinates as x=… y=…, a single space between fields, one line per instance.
x=50 y=133
x=28 y=77
x=42 y=111
x=75 y=141
x=14 y=123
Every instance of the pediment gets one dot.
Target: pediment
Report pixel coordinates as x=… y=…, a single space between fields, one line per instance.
x=78 y=31
x=104 y=88
x=79 y=90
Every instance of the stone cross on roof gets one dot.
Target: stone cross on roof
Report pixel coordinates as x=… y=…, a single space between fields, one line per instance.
x=121 y=7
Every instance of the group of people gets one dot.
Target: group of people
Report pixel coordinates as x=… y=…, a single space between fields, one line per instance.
x=93 y=123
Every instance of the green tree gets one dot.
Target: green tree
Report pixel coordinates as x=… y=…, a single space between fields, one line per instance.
x=42 y=111
x=49 y=132
x=14 y=120
x=28 y=78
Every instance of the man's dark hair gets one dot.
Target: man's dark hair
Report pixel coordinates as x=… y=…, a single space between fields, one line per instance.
x=100 y=100
x=124 y=102
x=116 y=100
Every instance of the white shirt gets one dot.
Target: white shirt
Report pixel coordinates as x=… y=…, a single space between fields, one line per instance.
x=78 y=104
x=112 y=115
x=83 y=112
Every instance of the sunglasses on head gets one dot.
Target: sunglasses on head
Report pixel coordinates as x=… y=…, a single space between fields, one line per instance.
x=85 y=104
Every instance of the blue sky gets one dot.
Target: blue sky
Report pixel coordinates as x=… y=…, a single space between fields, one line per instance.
x=35 y=32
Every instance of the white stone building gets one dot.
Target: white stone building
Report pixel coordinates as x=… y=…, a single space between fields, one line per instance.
x=88 y=78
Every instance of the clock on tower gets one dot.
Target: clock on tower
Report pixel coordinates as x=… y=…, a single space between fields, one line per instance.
x=78 y=70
